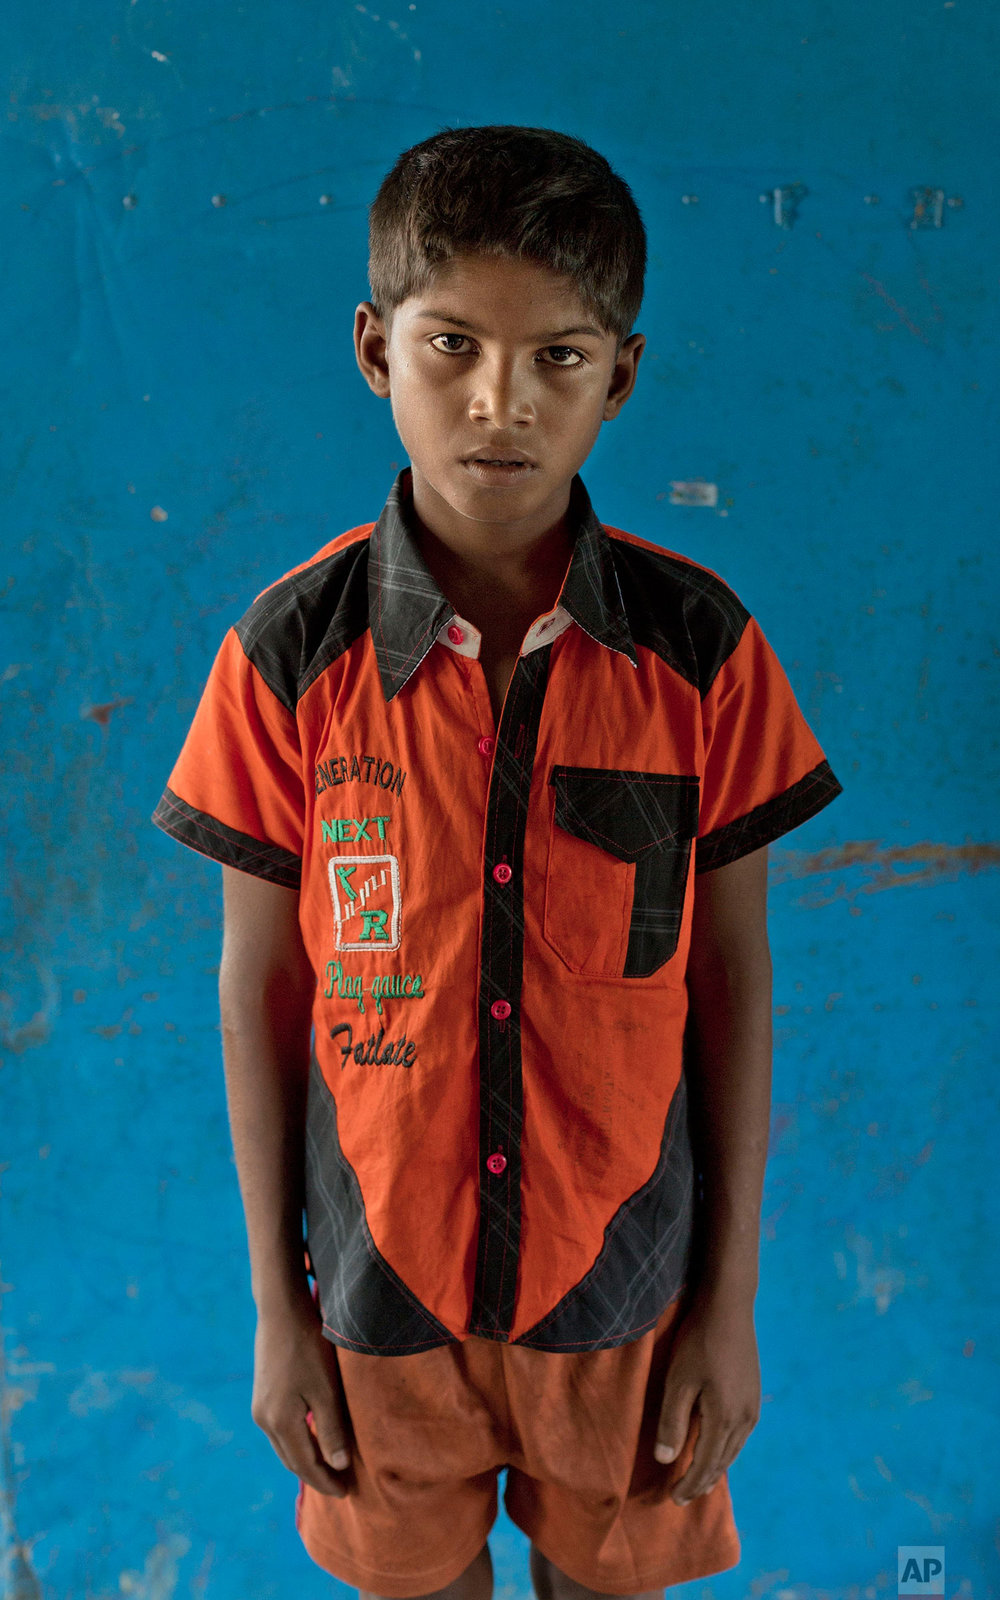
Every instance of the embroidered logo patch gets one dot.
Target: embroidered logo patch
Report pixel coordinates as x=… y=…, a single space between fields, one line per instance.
x=366 y=902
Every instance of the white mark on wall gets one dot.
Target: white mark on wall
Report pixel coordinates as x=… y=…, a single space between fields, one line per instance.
x=158 y=1579
x=879 y=1281
x=390 y=23
x=694 y=492
x=18 y=1576
x=104 y=1391
x=95 y=1393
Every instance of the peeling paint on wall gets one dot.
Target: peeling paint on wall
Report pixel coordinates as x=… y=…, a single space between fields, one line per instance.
x=102 y=714
x=20 y=1580
x=874 y=866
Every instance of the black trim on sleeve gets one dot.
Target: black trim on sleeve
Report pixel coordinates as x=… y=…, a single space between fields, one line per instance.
x=210 y=837
x=768 y=821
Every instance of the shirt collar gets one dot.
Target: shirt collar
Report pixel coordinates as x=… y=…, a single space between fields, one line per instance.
x=408 y=614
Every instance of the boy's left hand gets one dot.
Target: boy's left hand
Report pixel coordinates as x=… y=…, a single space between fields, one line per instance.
x=714 y=1371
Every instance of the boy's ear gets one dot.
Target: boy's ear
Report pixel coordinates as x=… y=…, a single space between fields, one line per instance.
x=370 y=348
x=623 y=374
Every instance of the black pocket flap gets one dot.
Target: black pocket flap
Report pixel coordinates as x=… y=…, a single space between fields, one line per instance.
x=626 y=813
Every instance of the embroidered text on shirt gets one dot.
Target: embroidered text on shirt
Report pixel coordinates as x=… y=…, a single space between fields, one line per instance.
x=386 y=985
x=335 y=831
x=397 y=1053
x=337 y=770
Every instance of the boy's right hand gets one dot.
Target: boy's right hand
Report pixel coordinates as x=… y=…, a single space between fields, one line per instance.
x=295 y=1373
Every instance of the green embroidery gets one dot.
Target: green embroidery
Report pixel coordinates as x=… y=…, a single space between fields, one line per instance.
x=373 y=920
x=336 y=830
x=348 y=988
x=384 y=986
x=397 y=986
x=343 y=874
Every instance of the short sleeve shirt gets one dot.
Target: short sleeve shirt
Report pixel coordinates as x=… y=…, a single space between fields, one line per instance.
x=498 y=915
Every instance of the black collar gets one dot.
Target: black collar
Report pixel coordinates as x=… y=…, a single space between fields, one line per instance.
x=407 y=610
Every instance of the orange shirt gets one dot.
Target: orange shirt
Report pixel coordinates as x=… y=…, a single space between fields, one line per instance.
x=497 y=1139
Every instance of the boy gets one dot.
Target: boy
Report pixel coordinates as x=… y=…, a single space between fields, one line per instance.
x=492 y=785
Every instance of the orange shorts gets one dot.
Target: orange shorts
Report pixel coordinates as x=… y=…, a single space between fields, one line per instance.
x=431 y=1431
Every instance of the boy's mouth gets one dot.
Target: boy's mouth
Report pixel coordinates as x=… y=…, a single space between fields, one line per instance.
x=499 y=469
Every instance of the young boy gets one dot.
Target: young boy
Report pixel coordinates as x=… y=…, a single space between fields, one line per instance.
x=492 y=786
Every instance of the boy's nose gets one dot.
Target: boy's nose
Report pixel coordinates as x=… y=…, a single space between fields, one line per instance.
x=500 y=394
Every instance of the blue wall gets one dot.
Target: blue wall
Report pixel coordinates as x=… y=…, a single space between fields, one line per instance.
x=183 y=420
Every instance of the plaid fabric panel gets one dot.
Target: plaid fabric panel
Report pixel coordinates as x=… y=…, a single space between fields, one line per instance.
x=769 y=821
x=685 y=614
x=365 y=1305
x=646 y=817
x=406 y=607
x=645 y=1258
x=297 y=627
x=501 y=1094
x=210 y=837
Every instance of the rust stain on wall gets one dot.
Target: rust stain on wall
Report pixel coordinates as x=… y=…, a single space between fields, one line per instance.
x=866 y=866
x=102 y=714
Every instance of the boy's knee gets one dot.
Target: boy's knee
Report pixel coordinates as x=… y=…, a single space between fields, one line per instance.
x=552 y=1584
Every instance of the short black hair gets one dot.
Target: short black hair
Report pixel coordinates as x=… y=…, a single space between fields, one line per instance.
x=530 y=193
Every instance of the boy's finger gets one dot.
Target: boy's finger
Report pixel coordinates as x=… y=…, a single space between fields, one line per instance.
x=674 y=1425
x=299 y=1452
x=706 y=1464
x=331 y=1435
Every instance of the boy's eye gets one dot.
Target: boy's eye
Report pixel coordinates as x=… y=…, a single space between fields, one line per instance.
x=552 y=349
x=565 y=349
x=458 y=336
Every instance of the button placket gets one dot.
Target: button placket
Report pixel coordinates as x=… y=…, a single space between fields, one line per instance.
x=501 y=1099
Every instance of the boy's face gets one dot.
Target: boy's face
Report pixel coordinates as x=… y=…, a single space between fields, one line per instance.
x=499 y=357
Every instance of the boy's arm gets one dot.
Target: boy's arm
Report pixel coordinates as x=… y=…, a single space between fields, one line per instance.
x=266 y=991
x=714 y=1366
x=729 y=984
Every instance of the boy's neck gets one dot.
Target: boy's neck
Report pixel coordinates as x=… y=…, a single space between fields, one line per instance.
x=480 y=564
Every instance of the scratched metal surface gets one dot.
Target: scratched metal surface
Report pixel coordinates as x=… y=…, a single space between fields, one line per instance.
x=183 y=420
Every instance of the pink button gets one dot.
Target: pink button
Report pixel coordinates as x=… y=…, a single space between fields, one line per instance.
x=486 y=744
x=500 y=1009
x=502 y=873
x=456 y=634
x=496 y=1162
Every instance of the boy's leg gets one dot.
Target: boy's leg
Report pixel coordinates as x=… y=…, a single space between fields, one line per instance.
x=475 y=1583
x=551 y=1584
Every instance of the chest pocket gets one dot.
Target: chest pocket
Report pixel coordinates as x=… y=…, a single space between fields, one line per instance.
x=619 y=855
